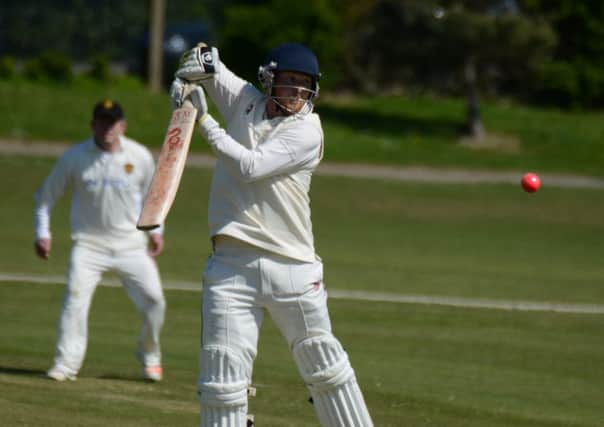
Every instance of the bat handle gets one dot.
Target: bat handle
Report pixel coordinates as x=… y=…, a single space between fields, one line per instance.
x=187 y=104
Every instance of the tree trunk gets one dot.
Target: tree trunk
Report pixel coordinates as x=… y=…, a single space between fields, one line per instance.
x=474 y=124
x=156 y=38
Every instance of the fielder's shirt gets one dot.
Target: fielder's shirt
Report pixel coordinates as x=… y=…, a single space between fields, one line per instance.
x=107 y=193
x=261 y=181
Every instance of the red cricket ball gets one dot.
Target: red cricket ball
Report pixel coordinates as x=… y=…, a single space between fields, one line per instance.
x=530 y=182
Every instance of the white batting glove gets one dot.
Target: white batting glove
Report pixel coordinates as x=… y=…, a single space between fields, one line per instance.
x=198 y=98
x=178 y=92
x=181 y=91
x=199 y=63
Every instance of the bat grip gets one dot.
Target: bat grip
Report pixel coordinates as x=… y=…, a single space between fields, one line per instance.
x=187 y=104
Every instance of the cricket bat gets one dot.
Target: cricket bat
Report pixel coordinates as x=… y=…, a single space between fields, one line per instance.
x=169 y=168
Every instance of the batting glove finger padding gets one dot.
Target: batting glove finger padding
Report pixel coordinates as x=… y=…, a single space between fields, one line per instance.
x=181 y=90
x=178 y=93
x=199 y=63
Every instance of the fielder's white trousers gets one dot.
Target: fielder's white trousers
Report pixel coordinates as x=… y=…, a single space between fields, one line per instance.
x=139 y=276
x=241 y=282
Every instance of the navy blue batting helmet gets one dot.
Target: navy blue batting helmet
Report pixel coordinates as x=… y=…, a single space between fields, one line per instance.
x=294 y=57
x=290 y=57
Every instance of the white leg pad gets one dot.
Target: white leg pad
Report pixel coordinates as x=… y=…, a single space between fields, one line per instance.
x=222 y=417
x=222 y=386
x=337 y=398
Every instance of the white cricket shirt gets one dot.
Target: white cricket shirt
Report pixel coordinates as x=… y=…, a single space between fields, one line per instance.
x=261 y=181
x=107 y=193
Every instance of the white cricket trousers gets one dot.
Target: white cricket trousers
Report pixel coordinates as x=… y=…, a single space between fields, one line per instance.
x=139 y=276
x=240 y=283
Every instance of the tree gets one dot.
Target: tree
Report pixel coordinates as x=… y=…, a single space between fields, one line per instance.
x=79 y=28
x=251 y=29
x=453 y=44
x=83 y=29
x=575 y=75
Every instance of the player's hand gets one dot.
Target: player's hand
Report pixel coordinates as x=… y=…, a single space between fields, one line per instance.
x=42 y=247
x=199 y=63
x=197 y=97
x=181 y=91
x=178 y=92
x=156 y=244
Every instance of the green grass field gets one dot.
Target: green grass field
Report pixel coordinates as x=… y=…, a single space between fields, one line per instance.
x=382 y=130
x=419 y=365
x=487 y=241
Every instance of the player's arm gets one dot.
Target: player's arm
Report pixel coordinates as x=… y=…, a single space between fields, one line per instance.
x=286 y=151
x=202 y=65
x=45 y=198
x=156 y=238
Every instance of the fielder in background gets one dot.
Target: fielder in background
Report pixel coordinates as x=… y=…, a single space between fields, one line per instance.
x=263 y=257
x=109 y=175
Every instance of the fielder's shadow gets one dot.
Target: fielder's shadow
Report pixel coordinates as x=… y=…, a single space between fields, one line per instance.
x=22 y=372
x=5 y=370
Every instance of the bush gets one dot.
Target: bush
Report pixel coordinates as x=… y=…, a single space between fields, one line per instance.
x=558 y=84
x=7 y=67
x=591 y=80
x=51 y=66
x=570 y=84
x=249 y=34
x=100 y=69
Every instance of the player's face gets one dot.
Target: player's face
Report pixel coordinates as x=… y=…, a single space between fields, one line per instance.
x=292 y=90
x=107 y=132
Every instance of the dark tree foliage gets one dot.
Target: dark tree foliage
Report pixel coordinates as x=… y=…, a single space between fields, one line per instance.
x=251 y=29
x=82 y=29
x=575 y=75
x=456 y=46
x=550 y=51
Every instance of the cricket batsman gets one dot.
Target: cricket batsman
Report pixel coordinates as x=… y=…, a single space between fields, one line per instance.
x=108 y=175
x=259 y=217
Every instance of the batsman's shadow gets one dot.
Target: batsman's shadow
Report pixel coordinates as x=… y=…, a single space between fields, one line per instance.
x=119 y=377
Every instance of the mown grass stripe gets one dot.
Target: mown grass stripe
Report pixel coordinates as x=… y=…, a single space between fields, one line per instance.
x=362 y=296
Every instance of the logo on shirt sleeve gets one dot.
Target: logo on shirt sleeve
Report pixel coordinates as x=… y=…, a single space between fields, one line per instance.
x=128 y=167
x=249 y=108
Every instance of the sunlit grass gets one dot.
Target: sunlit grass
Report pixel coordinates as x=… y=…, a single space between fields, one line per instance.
x=383 y=130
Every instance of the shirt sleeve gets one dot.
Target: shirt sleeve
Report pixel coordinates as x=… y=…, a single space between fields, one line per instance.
x=225 y=90
x=47 y=195
x=284 y=152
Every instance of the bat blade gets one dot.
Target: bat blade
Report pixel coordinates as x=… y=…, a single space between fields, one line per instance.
x=169 y=168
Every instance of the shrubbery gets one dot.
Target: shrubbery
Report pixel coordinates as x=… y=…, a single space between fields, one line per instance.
x=570 y=85
x=545 y=52
x=100 y=69
x=7 y=67
x=54 y=67
x=50 y=66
